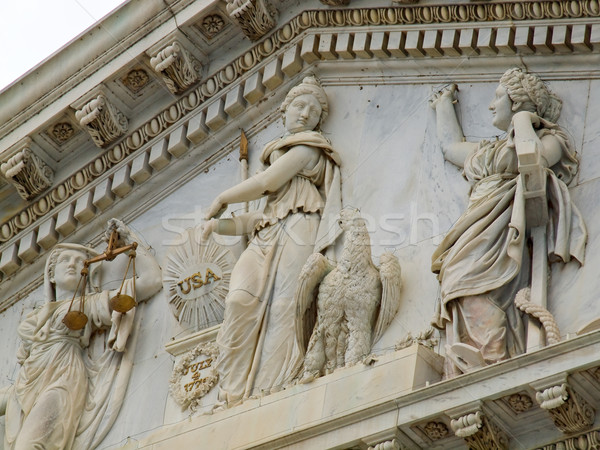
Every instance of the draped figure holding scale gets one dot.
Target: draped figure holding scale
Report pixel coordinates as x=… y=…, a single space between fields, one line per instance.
x=61 y=398
x=484 y=259
x=257 y=342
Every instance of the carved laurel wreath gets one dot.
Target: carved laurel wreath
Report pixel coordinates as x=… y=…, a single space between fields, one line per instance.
x=191 y=397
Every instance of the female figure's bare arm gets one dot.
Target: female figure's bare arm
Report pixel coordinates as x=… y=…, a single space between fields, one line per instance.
x=269 y=181
x=236 y=226
x=524 y=123
x=449 y=131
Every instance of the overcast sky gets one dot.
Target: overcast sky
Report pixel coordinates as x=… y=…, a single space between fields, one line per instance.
x=31 y=30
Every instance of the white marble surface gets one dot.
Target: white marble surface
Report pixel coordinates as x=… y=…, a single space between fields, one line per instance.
x=393 y=170
x=590 y=150
x=573 y=290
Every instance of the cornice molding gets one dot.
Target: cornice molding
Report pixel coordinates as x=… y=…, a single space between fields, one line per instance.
x=23 y=99
x=435 y=32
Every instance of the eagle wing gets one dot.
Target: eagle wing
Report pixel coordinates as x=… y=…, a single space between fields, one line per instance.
x=315 y=269
x=390 y=274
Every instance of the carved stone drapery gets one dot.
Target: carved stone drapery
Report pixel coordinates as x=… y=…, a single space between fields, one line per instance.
x=103 y=121
x=568 y=410
x=255 y=17
x=27 y=172
x=479 y=432
x=177 y=67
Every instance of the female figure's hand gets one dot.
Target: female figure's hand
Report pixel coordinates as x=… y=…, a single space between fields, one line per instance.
x=208 y=228
x=217 y=208
x=446 y=94
x=526 y=118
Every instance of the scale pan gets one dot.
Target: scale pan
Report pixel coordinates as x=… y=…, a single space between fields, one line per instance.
x=75 y=320
x=122 y=303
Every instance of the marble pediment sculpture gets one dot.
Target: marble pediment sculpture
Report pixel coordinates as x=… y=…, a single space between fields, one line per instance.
x=356 y=301
x=518 y=192
x=301 y=182
x=62 y=398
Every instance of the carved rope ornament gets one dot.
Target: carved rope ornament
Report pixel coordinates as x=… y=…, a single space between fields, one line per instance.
x=103 y=121
x=196 y=279
x=27 y=173
x=177 y=67
x=193 y=376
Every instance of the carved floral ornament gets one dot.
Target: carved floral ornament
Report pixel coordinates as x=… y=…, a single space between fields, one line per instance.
x=136 y=80
x=194 y=375
x=196 y=279
x=62 y=132
x=349 y=17
x=212 y=25
x=436 y=430
x=519 y=402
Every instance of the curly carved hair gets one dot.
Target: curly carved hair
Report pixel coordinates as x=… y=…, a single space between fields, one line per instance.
x=310 y=85
x=528 y=92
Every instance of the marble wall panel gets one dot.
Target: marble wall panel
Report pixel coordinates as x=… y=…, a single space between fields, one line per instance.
x=573 y=290
x=590 y=152
x=393 y=170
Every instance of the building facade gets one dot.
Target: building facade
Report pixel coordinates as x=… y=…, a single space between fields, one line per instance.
x=164 y=106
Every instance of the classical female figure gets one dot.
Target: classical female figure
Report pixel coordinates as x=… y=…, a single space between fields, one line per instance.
x=484 y=258
x=301 y=183
x=61 y=398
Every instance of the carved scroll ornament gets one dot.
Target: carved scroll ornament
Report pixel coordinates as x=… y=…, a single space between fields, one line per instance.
x=177 y=67
x=103 y=121
x=255 y=17
x=479 y=432
x=27 y=173
x=569 y=411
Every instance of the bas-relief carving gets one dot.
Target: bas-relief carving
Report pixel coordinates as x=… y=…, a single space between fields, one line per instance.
x=425 y=338
x=194 y=375
x=103 y=121
x=301 y=182
x=27 y=172
x=177 y=67
x=479 y=432
x=568 y=410
x=64 y=396
x=589 y=440
x=336 y=2
x=578 y=40
x=196 y=279
x=484 y=259
x=255 y=17
x=388 y=445
x=356 y=301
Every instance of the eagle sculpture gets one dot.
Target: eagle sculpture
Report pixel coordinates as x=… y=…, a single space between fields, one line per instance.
x=356 y=301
